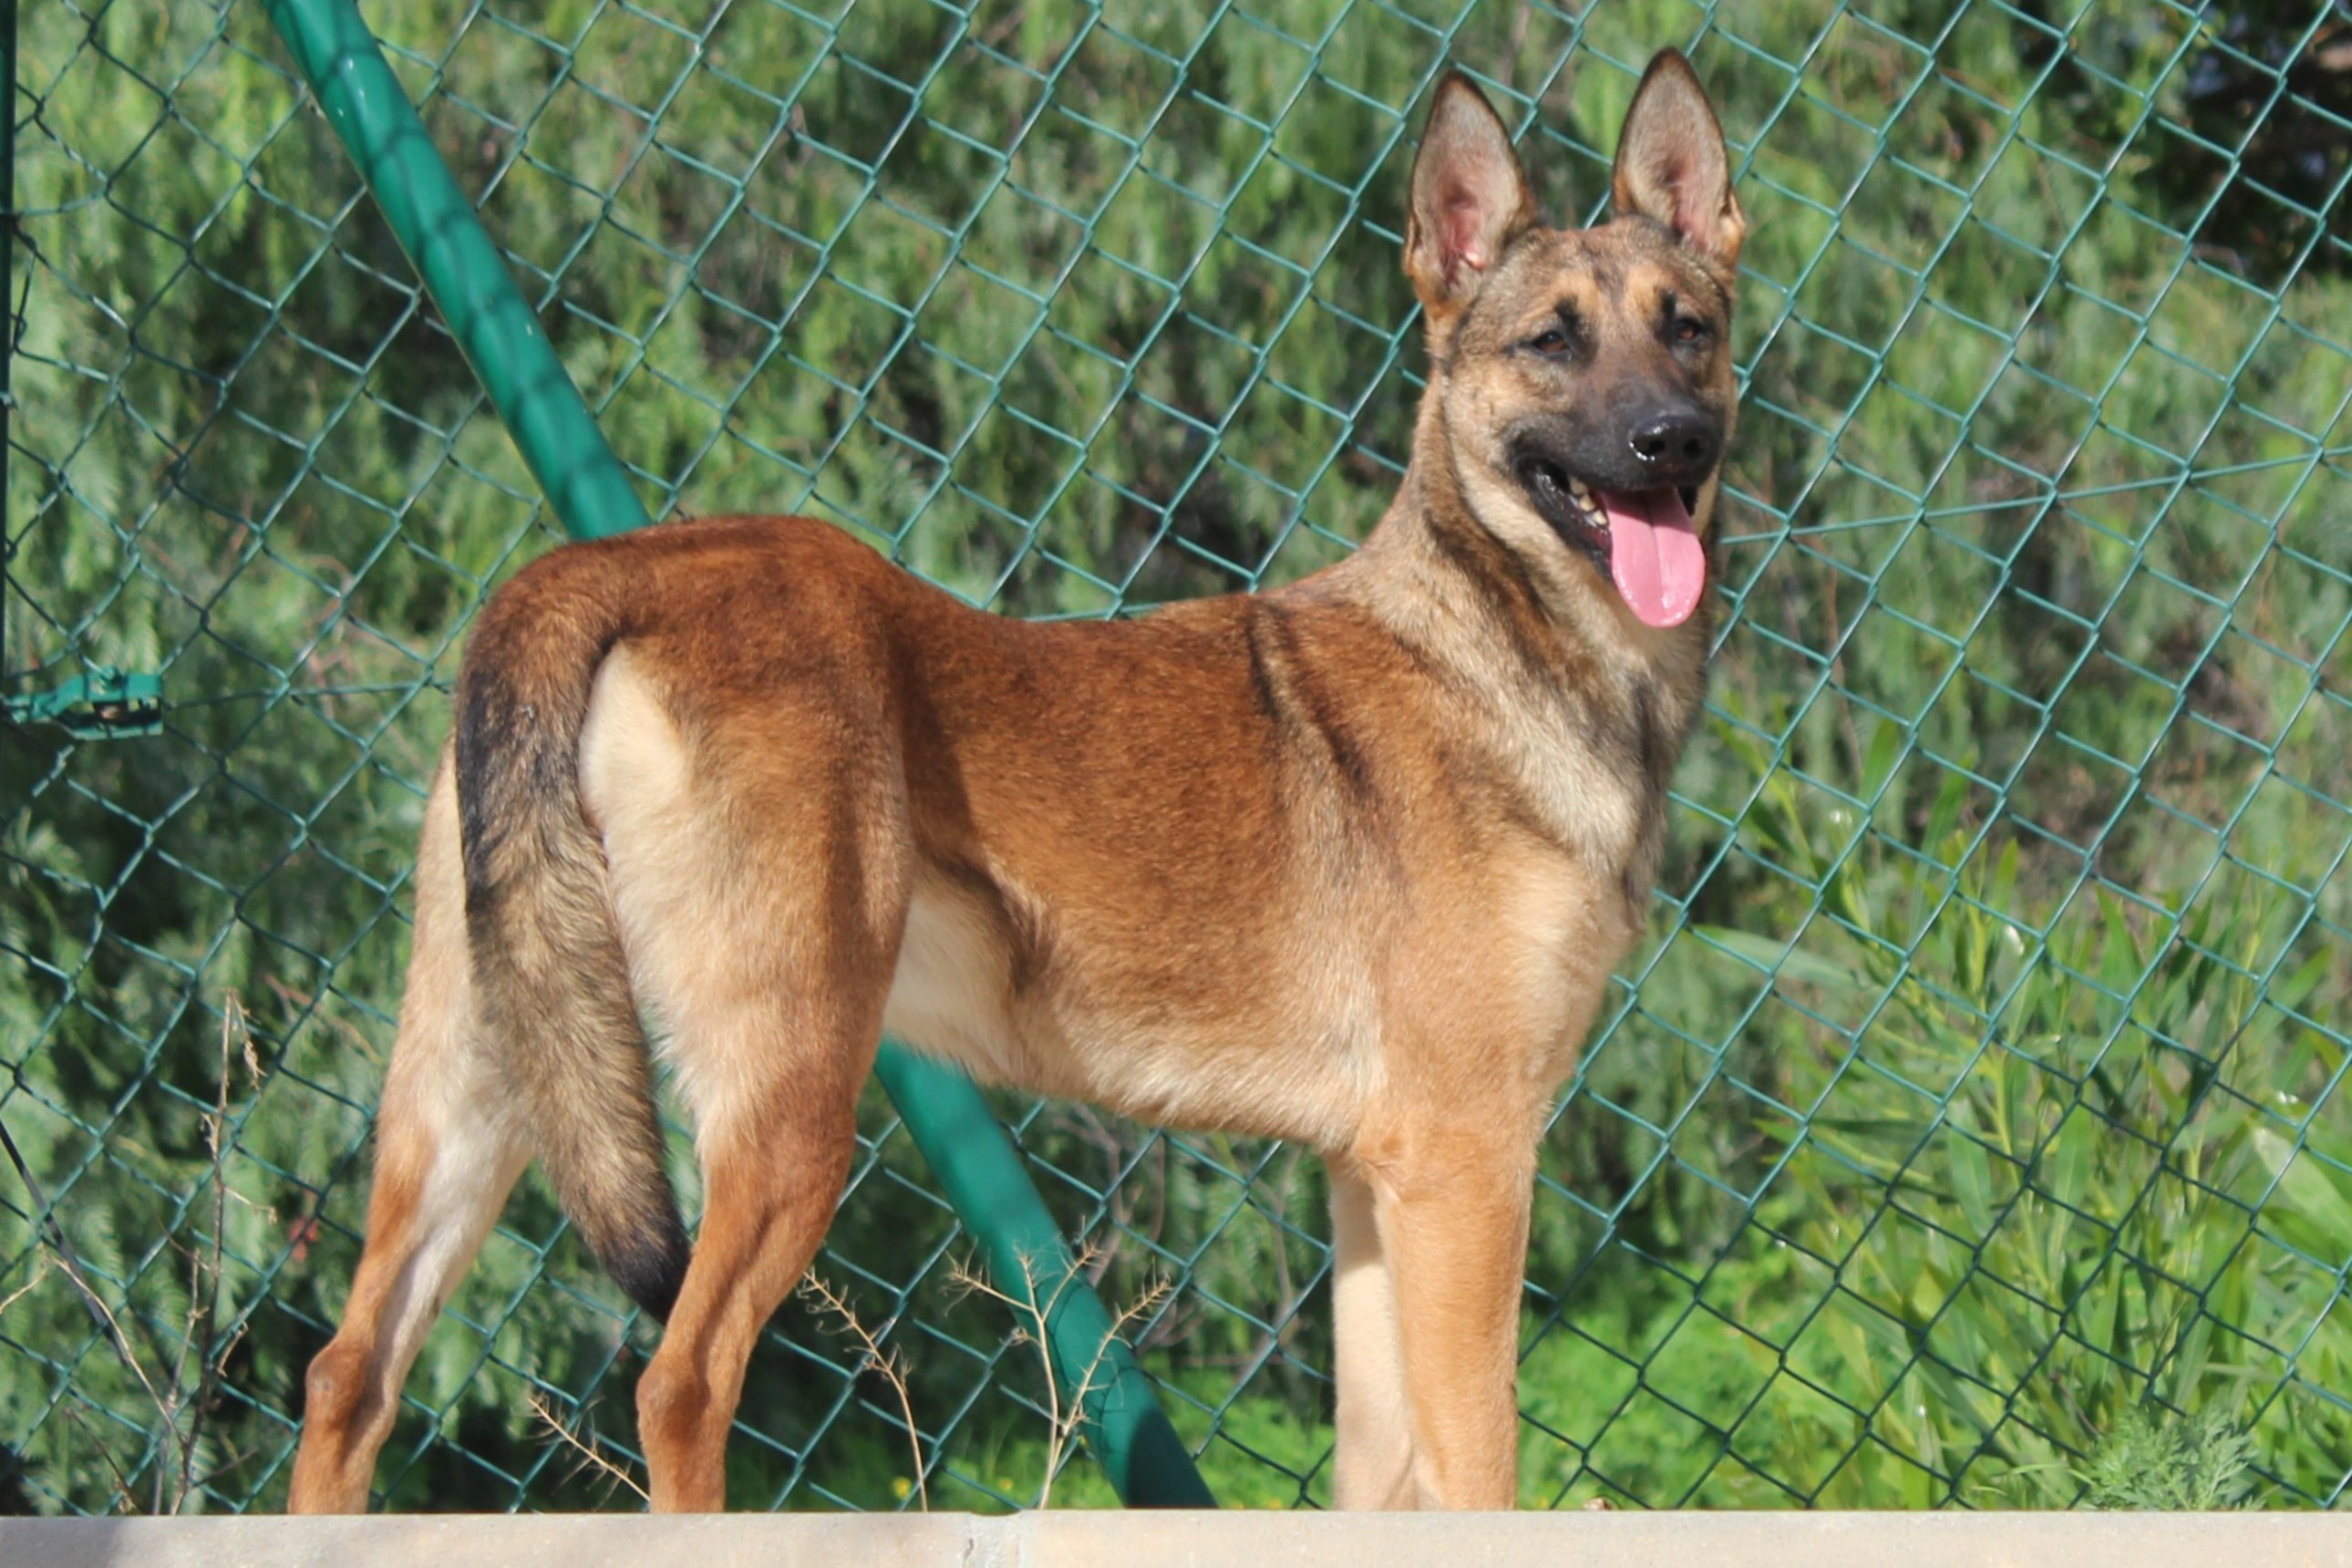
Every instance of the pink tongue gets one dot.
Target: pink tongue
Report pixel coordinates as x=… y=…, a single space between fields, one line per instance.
x=1654 y=554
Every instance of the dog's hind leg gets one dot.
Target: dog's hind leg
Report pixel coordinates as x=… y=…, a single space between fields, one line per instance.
x=773 y=1164
x=1373 y=1465
x=760 y=883
x=448 y=1148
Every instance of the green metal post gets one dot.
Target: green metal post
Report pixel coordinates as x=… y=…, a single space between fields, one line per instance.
x=982 y=1174
x=437 y=227
x=494 y=325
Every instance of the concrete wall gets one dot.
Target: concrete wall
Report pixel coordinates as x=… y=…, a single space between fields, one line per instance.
x=1112 y=1539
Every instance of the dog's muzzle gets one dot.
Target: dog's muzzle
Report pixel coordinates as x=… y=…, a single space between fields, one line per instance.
x=1629 y=512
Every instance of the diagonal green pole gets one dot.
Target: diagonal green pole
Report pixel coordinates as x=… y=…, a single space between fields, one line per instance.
x=501 y=338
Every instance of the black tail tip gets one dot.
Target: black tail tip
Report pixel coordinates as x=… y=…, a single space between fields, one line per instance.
x=651 y=1268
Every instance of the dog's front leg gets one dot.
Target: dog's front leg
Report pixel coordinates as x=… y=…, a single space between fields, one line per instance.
x=1373 y=1465
x=1450 y=1203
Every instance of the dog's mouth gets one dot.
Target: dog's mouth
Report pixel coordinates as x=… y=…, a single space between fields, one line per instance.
x=1643 y=539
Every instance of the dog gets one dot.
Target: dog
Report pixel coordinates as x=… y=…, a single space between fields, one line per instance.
x=1347 y=862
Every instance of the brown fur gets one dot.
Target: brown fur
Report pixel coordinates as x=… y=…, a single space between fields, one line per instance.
x=1348 y=862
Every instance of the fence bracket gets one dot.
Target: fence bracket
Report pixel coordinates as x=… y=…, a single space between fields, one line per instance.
x=105 y=704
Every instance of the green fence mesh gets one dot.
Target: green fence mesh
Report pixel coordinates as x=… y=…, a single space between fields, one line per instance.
x=1970 y=1130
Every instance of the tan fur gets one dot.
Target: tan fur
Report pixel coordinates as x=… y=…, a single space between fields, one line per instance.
x=1348 y=863
x=449 y=1147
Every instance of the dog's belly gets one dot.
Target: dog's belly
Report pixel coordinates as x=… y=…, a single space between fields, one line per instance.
x=1303 y=1071
x=951 y=996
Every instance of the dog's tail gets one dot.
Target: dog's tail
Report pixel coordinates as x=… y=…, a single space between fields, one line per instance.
x=547 y=963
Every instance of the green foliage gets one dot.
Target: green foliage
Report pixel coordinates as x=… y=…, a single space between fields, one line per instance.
x=2037 y=1195
x=2169 y=1463
x=1981 y=1090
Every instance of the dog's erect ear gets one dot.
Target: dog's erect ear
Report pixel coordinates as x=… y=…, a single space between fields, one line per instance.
x=1469 y=197
x=1671 y=165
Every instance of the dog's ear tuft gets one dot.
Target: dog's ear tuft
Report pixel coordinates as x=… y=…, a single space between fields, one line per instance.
x=1470 y=197
x=1671 y=165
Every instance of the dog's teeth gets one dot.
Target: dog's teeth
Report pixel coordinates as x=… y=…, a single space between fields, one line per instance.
x=1576 y=487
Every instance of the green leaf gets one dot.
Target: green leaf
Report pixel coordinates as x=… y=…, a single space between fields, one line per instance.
x=2311 y=1207
x=1971 y=1178
x=1784 y=961
x=1888 y=746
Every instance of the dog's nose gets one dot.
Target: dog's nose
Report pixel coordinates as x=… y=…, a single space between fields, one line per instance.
x=1675 y=444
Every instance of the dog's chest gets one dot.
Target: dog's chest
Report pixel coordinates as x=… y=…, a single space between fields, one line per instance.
x=1564 y=930
x=1588 y=785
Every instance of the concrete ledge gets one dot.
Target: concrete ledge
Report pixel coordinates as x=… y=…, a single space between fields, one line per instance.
x=1111 y=1539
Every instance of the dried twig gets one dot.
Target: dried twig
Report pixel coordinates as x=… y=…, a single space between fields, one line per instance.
x=590 y=1449
x=100 y=1313
x=888 y=1365
x=40 y=1272
x=121 y=1483
x=206 y=1273
x=53 y=1237
x=315 y=1007
x=1065 y=1409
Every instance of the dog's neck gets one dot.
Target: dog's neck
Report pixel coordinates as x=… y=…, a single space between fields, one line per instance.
x=1577 y=679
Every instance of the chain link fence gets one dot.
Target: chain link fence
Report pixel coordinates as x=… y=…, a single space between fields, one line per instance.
x=1970 y=1130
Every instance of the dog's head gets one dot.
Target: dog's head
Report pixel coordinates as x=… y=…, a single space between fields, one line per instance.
x=1584 y=377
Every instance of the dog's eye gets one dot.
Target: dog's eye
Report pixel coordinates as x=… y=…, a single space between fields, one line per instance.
x=1551 y=341
x=1690 y=330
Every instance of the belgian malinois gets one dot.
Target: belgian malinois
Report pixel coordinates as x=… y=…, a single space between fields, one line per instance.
x=1347 y=862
